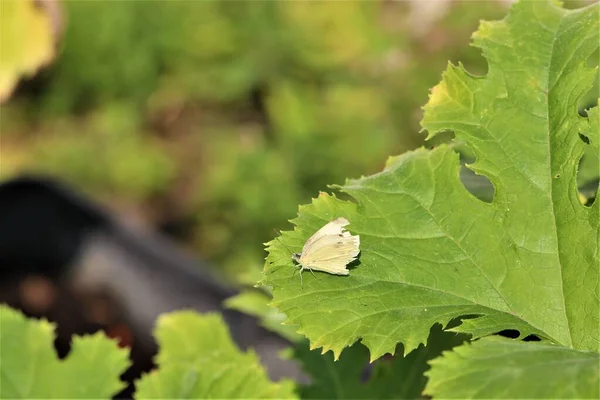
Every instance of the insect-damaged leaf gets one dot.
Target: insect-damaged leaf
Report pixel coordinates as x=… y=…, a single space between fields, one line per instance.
x=430 y=251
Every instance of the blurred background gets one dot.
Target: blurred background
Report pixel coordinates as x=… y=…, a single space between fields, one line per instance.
x=206 y=122
x=212 y=121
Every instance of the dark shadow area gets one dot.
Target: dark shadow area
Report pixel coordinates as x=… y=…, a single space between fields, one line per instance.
x=532 y=338
x=356 y=263
x=510 y=333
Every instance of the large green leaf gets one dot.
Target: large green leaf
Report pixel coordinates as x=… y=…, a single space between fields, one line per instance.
x=30 y=368
x=521 y=121
x=496 y=367
x=430 y=251
x=198 y=359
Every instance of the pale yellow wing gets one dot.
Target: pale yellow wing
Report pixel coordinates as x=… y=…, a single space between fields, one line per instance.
x=334 y=227
x=331 y=248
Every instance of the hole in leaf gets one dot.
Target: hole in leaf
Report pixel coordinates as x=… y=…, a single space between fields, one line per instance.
x=588 y=175
x=590 y=99
x=478 y=185
x=510 y=333
x=532 y=338
x=443 y=137
x=588 y=171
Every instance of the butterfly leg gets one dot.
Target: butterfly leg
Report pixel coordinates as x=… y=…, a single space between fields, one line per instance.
x=313 y=274
x=301 y=283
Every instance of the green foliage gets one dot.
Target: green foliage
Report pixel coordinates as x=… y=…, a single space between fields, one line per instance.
x=245 y=173
x=534 y=178
x=326 y=37
x=430 y=251
x=325 y=98
x=397 y=378
x=83 y=75
x=502 y=368
x=216 y=60
x=30 y=368
x=322 y=129
x=108 y=153
x=197 y=359
x=189 y=50
x=589 y=167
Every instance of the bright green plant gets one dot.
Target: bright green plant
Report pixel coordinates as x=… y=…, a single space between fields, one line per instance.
x=441 y=272
x=212 y=367
x=83 y=75
x=107 y=152
x=431 y=252
x=198 y=359
x=30 y=367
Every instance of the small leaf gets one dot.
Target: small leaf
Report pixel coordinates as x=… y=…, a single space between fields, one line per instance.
x=496 y=367
x=26 y=42
x=30 y=368
x=198 y=359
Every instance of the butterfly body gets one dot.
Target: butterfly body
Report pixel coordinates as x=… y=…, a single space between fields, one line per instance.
x=330 y=249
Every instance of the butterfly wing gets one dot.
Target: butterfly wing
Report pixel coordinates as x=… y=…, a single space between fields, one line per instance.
x=332 y=228
x=331 y=248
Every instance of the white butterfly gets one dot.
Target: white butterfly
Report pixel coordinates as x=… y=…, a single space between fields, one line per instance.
x=330 y=249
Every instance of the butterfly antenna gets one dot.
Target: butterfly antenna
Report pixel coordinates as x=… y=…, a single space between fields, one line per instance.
x=284 y=245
